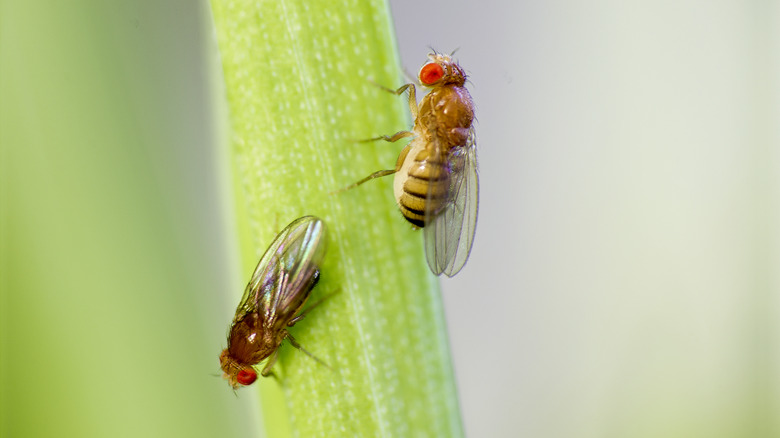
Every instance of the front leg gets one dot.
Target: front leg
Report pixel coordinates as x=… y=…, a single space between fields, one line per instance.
x=269 y=364
x=412 y=96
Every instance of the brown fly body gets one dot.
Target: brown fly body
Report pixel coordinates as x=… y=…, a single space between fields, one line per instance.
x=273 y=300
x=436 y=185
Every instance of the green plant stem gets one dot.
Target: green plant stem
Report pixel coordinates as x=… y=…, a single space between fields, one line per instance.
x=298 y=78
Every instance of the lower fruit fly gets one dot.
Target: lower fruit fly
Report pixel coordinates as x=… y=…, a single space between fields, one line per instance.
x=436 y=184
x=273 y=300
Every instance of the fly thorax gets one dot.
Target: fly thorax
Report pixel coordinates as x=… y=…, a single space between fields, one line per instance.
x=451 y=115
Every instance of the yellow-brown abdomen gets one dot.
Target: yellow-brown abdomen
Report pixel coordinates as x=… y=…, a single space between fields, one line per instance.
x=420 y=174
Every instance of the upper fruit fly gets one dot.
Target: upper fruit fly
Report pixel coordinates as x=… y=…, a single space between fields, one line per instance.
x=276 y=293
x=436 y=184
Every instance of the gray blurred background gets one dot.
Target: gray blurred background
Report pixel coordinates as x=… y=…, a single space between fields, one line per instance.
x=623 y=280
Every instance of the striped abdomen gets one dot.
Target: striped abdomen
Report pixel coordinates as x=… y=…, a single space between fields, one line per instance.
x=420 y=174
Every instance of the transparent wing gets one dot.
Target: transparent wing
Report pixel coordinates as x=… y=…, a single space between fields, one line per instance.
x=286 y=273
x=449 y=228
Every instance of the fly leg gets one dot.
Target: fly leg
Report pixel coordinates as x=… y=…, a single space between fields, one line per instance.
x=269 y=364
x=412 y=96
x=309 y=309
x=412 y=108
x=295 y=344
x=380 y=173
x=374 y=175
x=391 y=138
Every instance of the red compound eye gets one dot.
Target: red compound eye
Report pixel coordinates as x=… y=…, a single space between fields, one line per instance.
x=431 y=73
x=246 y=377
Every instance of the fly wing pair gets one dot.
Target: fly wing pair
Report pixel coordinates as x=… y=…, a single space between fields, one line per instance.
x=449 y=230
x=286 y=274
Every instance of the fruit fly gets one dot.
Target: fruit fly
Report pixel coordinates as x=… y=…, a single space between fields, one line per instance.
x=276 y=293
x=436 y=185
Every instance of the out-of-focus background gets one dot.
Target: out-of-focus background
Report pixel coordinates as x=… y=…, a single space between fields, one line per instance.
x=623 y=281
x=624 y=277
x=115 y=250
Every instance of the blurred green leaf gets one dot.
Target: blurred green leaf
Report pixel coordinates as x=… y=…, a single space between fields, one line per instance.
x=112 y=252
